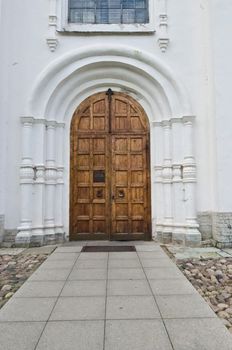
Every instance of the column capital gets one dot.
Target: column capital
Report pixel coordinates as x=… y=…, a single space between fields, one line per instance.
x=60 y=124
x=40 y=121
x=166 y=124
x=176 y=120
x=190 y=119
x=51 y=124
x=27 y=120
x=157 y=123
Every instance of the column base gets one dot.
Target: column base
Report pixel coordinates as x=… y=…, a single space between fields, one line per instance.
x=37 y=237
x=192 y=237
x=23 y=237
x=159 y=232
x=59 y=229
x=54 y=238
x=167 y=233
x=179 y=236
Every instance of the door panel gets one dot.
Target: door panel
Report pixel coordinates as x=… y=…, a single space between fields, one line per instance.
x=109 y=181
x=89 y=190
x=129 y=187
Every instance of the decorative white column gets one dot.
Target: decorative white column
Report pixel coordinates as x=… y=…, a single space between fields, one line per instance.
x=179 y=230
x=167 y=183
x=39 y=190
x=158 y=200
x=193 y=236
x=50 y=177
x=59 y=229
x=158 y=178
x=26 y=182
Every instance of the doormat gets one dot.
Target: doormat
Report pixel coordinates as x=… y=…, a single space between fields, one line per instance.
x=107 y=248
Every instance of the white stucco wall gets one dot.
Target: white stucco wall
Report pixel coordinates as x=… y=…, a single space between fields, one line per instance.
x=222 y=68
x=199 y=46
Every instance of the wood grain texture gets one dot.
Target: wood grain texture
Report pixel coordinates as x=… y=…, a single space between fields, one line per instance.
x=110 y=170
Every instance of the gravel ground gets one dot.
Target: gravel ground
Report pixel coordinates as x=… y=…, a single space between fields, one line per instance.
x=213 y=280
x=15 y=270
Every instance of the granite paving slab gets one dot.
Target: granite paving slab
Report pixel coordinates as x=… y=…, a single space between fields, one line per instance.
x=84 y=288
x=20 y=335
x=91 y=263
x=131 y=307
x=183 y=306
x=90 y=256
x=88 y=274
x=163 y=262
x=136 y=335
x=126 y=274
x=72 y=335
x=40 y=289
x=172 y=286
x=124 y=263
x=123 y=255
x=50 y=275
x=27 y=309
x=57 y=264
x=198 y=334
x=131 y=287
x=166 y=273
x=79 y=308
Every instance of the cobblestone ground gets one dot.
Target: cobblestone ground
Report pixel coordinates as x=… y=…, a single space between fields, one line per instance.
x=213 y=280
x=15 y=270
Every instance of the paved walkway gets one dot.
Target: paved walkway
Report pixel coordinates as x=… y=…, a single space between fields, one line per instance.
x=110 y=301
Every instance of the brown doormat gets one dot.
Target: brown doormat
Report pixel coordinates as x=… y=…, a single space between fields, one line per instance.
x=100 y=249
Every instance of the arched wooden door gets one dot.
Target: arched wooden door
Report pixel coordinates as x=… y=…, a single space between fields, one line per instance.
x=110 y=170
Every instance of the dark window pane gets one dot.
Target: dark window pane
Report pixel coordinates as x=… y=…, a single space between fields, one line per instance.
x=88 y=16
x=115 y=16
x=102 y=16
x=102 y=4
x=108 y=11
x=128 y=4
x=77 y=4
x=75 y=16
x=108 y=4
x=141 y=16
x=128 y=16
x=141 y=4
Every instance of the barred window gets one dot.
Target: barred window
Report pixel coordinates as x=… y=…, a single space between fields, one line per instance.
x=108 y=11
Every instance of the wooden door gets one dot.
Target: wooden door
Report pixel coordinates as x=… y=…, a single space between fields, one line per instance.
x=110 y=171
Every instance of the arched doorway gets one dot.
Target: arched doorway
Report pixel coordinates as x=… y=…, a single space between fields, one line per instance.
x=110 y=169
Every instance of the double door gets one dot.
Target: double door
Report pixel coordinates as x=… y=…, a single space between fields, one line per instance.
x=110 y=182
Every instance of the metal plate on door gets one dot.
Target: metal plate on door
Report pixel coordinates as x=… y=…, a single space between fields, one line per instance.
x=99 y=176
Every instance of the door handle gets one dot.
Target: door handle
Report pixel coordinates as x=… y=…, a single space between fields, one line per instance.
x=121 y=194
x=99 y=193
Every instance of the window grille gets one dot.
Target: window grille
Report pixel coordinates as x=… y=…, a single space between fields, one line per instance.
x=108 y=11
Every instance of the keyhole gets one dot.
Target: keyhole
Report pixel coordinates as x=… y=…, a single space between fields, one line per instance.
x=99 y=193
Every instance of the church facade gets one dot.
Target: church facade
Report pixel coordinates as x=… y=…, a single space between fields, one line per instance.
x=115 y=121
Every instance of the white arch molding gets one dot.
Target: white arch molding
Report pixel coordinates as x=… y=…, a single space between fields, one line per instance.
x=60 y=88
